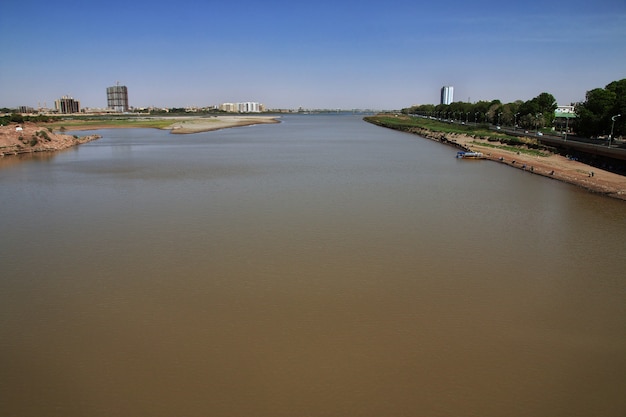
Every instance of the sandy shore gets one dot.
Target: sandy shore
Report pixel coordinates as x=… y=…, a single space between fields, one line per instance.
x=196 y=125
x=552 y=166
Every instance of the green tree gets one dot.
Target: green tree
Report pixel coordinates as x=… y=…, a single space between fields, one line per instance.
x=529 y=107
x=508 y=113
x=594 y=114
x=619 y=107
x=480 y=110
x=459 y=110
x=538 y=111
x=495 y=108
x=547 y=106
x=16 y=118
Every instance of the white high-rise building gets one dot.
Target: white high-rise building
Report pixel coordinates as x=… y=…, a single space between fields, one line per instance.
x=447 y=94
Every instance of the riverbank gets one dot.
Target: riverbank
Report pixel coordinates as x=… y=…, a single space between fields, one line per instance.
x=534 y=162
x=28 y=138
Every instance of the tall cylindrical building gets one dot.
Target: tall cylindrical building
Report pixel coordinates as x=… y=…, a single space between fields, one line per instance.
x=447 y=94
x=117 y=98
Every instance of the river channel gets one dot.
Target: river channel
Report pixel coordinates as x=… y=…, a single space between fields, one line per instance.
x=322 y=266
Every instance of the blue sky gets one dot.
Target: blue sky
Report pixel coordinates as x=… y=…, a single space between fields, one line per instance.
x=314 y=54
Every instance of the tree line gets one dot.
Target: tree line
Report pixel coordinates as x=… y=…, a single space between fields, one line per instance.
x=535 y=113
x=18 y=118
x=593 y=116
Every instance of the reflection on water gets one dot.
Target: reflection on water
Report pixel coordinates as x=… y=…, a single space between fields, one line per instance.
x=319 y=267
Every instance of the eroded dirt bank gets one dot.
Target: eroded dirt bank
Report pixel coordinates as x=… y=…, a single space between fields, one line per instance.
x=23 y=138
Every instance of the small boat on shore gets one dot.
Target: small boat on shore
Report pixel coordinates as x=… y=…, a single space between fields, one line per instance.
x=470 y=155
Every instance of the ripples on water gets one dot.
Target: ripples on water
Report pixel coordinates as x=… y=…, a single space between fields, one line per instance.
x=321 y=267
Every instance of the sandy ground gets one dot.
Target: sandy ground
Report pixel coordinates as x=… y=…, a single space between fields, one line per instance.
x=195 y=125
x=553 y=166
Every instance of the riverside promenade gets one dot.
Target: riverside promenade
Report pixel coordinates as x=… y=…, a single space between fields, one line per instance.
x=599 y=147
x=596 y=170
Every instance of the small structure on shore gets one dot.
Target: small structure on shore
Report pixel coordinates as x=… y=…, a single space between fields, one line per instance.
x=470 y=155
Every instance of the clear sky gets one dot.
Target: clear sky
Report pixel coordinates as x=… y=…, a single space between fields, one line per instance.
x=315 y=54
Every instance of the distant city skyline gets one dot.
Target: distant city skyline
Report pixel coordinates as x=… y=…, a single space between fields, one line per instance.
x=340 y=54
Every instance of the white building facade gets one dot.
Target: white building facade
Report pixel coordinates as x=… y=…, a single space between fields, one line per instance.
x=566 y=111
x=247 y=107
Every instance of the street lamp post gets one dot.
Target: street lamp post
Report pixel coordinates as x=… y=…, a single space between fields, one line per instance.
x=515 y=122
x=612 y=125
x=537 y=121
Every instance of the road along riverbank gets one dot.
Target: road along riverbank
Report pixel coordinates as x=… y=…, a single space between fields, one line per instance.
x=535 y=162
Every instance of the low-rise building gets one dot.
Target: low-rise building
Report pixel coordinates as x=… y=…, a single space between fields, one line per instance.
x=247 y=107
x=25 y=109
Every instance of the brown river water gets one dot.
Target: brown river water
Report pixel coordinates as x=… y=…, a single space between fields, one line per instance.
x=318 y=267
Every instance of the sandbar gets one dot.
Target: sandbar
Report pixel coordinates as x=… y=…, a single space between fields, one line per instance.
x=175 y=124
x=206 y=124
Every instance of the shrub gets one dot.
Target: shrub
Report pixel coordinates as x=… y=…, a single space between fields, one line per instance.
x=16 y=118
x=43 y=134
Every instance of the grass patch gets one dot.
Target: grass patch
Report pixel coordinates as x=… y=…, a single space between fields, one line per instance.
x=112 y=122
x=400 y=122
